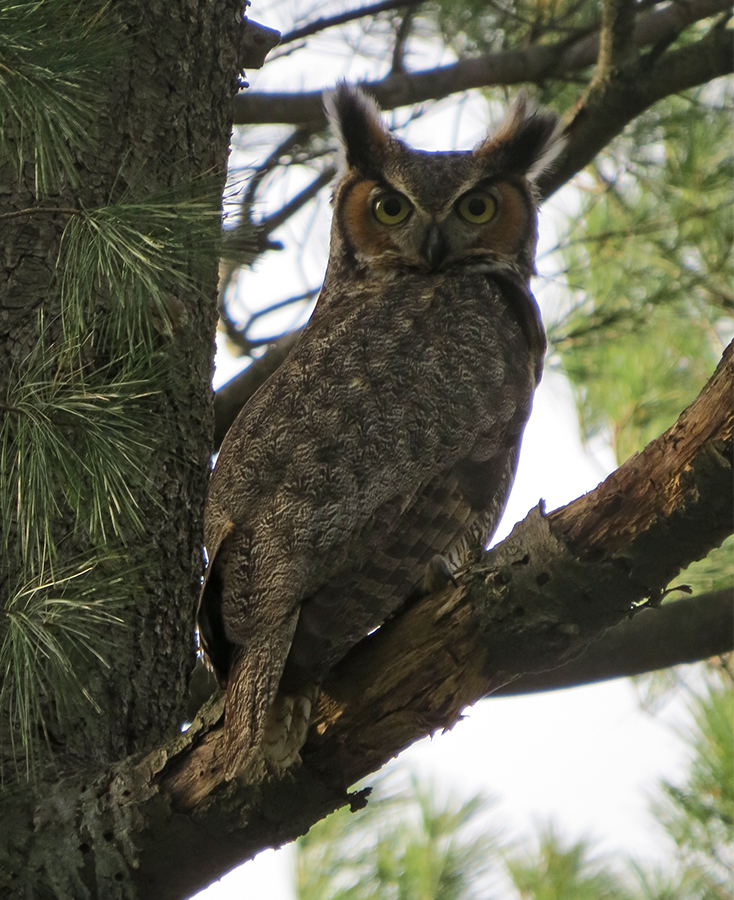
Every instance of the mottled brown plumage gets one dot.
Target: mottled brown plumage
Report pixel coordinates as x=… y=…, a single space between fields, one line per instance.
x=391 y=432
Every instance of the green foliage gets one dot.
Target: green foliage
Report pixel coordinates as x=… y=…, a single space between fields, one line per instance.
x=714 y=573
x=404 y=845
x=653 y=243
x=72 y=446
x=563 y=872
x=123 y=266
x=476 y=26
x=52 y=53
x=699 y=815
x=54 y=624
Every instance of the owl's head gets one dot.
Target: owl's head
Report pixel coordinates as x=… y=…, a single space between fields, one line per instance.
x=399 y=208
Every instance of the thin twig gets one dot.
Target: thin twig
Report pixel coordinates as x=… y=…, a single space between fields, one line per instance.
x=401 y=39
x=267 y=225
x=342 y=18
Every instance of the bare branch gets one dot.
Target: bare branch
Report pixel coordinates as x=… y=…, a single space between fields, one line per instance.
x=401 y=39
x=270 y=223
x=322 y=24
x=531 y=65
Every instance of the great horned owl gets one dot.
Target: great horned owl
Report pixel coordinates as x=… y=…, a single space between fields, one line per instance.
x=391 y=433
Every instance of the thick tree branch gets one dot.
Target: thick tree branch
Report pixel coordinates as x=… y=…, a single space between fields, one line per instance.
x=529 y=65
x=683 y=631
x=536 y=601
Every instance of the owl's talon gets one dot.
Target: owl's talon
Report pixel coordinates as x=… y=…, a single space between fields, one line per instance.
x=438 y=575
x=287 y=726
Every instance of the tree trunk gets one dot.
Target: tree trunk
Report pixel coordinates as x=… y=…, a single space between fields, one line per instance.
x=164 y=120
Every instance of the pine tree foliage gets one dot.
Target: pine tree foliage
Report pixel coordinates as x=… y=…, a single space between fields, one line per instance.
x=406 y=844
x=53 y=53
x=558 y=870
x=55 y=626
x=699 y=814
x=479 y=27
x=649 y=267
x=653 y=244
x=140 y=253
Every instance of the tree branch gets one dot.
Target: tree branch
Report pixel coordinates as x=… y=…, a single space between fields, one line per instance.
x=268 y=225
x=616 y=45
x=529 y=65
x=536 y=601
x=683 y=631
x=604 y=114
x=343 y=18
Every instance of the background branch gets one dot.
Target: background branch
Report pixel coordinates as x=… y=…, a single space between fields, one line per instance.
x=603 y=116
x=681 y=631
x=529 y=65
x=352 y=15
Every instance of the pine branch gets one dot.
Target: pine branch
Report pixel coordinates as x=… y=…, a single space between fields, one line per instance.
x=52 y=57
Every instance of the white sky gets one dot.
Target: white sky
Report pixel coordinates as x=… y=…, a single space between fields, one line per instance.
x=588 y=757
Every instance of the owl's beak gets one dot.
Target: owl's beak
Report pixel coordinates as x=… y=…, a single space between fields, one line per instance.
x=434 y=247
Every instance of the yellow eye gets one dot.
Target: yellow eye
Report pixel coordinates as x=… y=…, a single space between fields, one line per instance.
x=391 y=209
x=477 y=207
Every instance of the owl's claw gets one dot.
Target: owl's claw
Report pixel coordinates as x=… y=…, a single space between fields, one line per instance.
x=438 y=575
x=287 y=726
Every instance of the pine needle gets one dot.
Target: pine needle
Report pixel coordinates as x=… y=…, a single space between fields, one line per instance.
x=51 y=55
x=53 y=628
x=72 y=445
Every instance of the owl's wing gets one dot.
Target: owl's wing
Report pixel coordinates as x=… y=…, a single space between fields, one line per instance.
x=454 y=514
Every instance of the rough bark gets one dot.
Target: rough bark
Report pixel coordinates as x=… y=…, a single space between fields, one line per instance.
x=167 y=823
x=165 y=118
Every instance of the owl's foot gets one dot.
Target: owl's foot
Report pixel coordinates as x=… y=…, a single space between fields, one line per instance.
x=287 y=725
x=437 y=576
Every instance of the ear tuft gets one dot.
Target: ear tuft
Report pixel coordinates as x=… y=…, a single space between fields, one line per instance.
x=528 y=142
x=355 y=120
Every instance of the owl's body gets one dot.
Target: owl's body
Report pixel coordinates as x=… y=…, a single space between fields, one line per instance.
x=391 y=432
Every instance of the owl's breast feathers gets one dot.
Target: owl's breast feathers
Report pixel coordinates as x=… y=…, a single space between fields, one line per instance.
x=390 y=434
